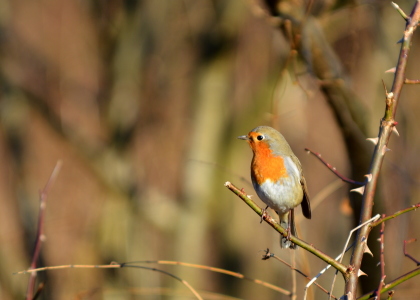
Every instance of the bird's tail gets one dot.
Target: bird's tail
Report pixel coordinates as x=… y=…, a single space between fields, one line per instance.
x=288 y=220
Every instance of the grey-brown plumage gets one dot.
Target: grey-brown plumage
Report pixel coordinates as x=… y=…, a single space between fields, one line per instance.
x=277 y=177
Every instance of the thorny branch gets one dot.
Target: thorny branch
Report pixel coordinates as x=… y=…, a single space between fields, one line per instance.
x=382 y=261
x=386 y=127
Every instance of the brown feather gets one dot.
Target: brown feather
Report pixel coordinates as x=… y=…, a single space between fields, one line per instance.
x=306 y=206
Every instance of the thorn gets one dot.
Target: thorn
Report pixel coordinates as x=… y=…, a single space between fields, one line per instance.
x=378 y=264
x=373 y=140
x=392 y=70
x=346 y=297
x=367 y=250
x=369 y=177
x=361 y=273
x=385 y=89
x=384 y=149
x=250 y=196
x=394 y=130
x=411 y=81
x=400 y=41
x=359 y=190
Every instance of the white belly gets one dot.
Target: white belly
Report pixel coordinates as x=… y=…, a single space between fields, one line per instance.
x=284 y=194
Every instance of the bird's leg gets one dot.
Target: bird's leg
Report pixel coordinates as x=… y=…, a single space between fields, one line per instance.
x=289 y=226
x=263 y=214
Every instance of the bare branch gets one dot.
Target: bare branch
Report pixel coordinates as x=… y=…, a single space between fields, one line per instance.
x=268 y=255
x=267 y=218
x=408 y=255
x=333 y=169
x=112 y=265
x=385 y=130
x=396 y=214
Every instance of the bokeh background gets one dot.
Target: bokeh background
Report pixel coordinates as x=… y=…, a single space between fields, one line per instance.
x=142 y=102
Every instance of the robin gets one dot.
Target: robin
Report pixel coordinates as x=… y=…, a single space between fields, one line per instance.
x=277 y=177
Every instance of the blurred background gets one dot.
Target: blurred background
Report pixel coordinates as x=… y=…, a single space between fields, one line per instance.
x=142 y=102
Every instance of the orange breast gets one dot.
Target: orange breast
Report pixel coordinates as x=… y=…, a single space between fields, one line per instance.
x=266 y=166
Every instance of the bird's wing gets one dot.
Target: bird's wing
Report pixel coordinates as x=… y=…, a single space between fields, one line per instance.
x=306 y=206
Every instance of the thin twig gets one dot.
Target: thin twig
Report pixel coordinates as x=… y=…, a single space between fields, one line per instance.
x=382 y=260
x=197 y=295
x=112 y=265
x=268 y=255
x=40 y=231
x=394 y=215
x=313 y=280
x=333 y=283
x=267 y=218
x=333 y=169
x=218 y=270
x=294 y=284
x=408 y=255
x=346 y=247
x=353 y=230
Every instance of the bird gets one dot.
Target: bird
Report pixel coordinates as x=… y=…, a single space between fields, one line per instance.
x=277 y=177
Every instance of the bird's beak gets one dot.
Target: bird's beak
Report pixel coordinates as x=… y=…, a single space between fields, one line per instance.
x=243 y=137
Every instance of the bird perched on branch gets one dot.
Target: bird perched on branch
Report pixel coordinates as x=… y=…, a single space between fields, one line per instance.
x=277 y=177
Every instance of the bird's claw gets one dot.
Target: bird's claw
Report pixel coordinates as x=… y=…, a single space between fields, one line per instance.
x=289 y=233
x=263 y=214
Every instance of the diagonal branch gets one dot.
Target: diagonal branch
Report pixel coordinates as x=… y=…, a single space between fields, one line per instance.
x=385 y=130
x=268 y=255
x=394 y=215
x=334 y=170
x=407 y=254
x=241 y=194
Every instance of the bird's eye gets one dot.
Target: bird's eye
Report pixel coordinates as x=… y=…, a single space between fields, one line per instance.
x=260 y=137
